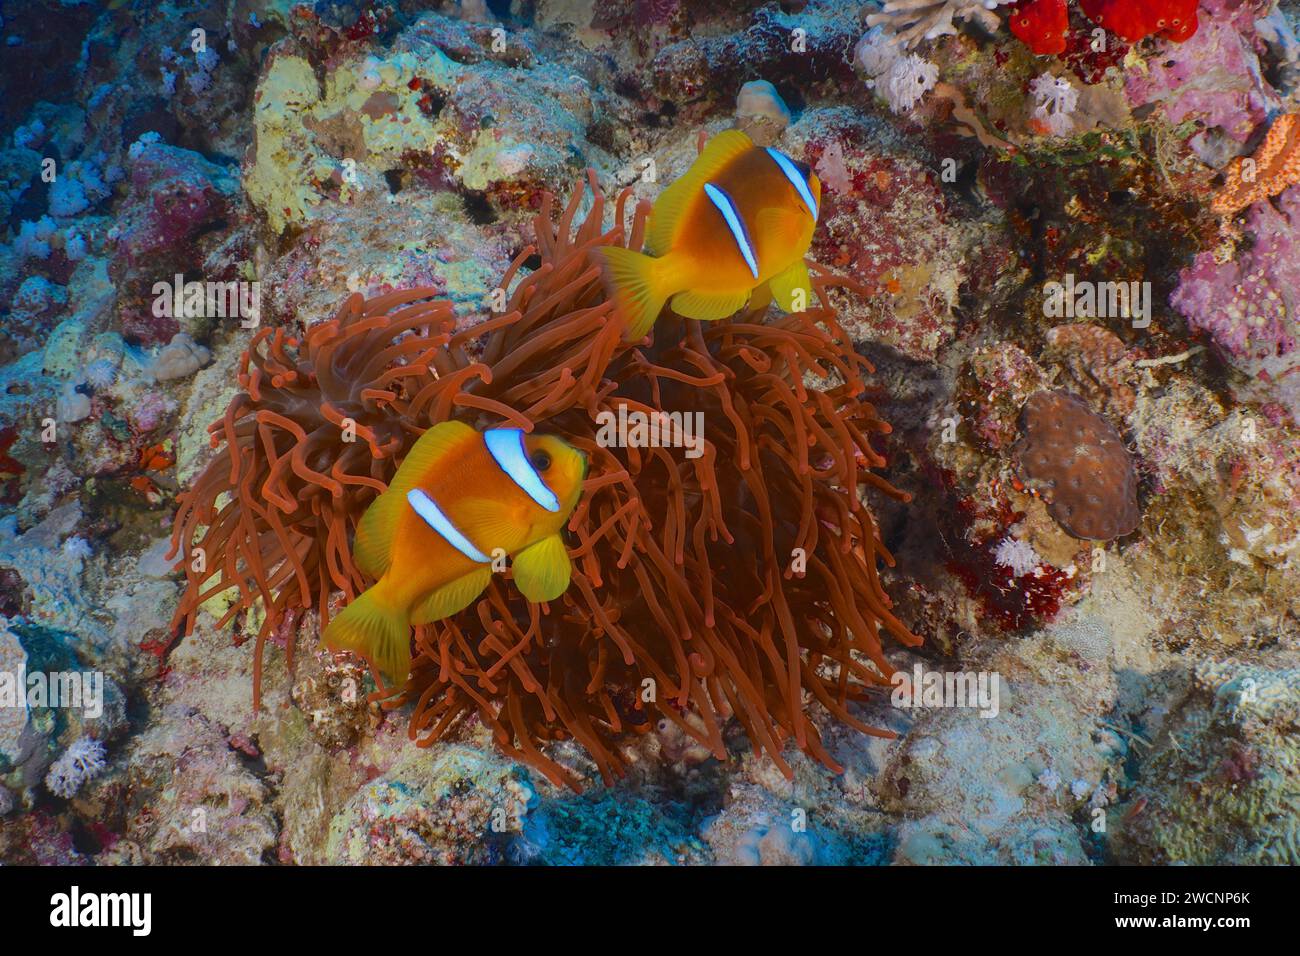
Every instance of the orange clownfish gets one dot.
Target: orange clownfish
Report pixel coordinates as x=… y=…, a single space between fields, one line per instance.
x=739 y=221
x=458 y=497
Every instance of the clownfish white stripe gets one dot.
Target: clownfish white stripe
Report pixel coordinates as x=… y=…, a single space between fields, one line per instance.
x=727 y=207
x=426 y=508
x=507 y=448
x=796 y=179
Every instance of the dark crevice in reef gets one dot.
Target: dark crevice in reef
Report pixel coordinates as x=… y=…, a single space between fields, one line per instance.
x=479 y=208
x=43 y=65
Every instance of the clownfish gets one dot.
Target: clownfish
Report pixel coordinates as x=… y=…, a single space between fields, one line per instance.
x=458 y=497
x=739 y=221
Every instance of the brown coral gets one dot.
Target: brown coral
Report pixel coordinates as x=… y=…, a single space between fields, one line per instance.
x=1274 y=167
x=1098 y=364
x=686 y=604
x=1077 y=462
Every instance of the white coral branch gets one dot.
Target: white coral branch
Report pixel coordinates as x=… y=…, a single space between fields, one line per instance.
x=911 y=21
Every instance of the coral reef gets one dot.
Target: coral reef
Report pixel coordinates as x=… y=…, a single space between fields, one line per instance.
x=376 y=177
x=1222 y=783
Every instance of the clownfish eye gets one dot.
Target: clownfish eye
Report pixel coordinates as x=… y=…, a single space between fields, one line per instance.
x=540 y=460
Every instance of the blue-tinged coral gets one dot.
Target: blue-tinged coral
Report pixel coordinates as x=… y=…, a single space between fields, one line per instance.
x=1222 y=782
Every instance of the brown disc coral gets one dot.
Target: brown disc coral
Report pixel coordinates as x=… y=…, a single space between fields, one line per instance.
x=1077 y=462
x=739 y=583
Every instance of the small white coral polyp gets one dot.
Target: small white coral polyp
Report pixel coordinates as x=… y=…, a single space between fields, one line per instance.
x=1017 y=555
x=1056 y=100
x=81 y=762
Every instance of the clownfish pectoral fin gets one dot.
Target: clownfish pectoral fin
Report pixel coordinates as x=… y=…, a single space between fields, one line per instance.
x=452 y=598
x=671 y=207
x=373 y=548
x=707 y=306
x=636 y=283
x=542 y=570
x=492 y=524
x=792 y=288
x=376 y=630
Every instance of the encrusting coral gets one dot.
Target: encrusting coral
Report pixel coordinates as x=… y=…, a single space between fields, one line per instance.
x=729 y=584
x=1274 y=167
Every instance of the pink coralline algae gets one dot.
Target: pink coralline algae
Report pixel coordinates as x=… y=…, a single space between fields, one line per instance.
x=1214 y=77
x=177 y=193
x=176 y=198
x=1250 y=306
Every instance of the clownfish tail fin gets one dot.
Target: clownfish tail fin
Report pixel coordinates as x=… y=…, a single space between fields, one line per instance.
x=636 y=283
x=377 y=630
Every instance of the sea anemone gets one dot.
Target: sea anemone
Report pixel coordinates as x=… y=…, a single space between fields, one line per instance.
x=101 y=373
x=741 y=583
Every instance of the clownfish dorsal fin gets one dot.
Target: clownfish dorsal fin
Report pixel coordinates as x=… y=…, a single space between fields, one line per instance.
x=373 y=548
x=452 y=598
x=671 y=206
x=541 y=571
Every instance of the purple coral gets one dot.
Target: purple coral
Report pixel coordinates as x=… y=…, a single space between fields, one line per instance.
x=1214 y=76
x=1250 y=305
x=176 y=193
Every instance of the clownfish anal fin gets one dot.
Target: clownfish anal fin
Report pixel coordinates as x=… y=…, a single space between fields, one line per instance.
x=792 y=288
x=452 y=598
x=672 y=205
x=542 y=570
x=707 y=306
